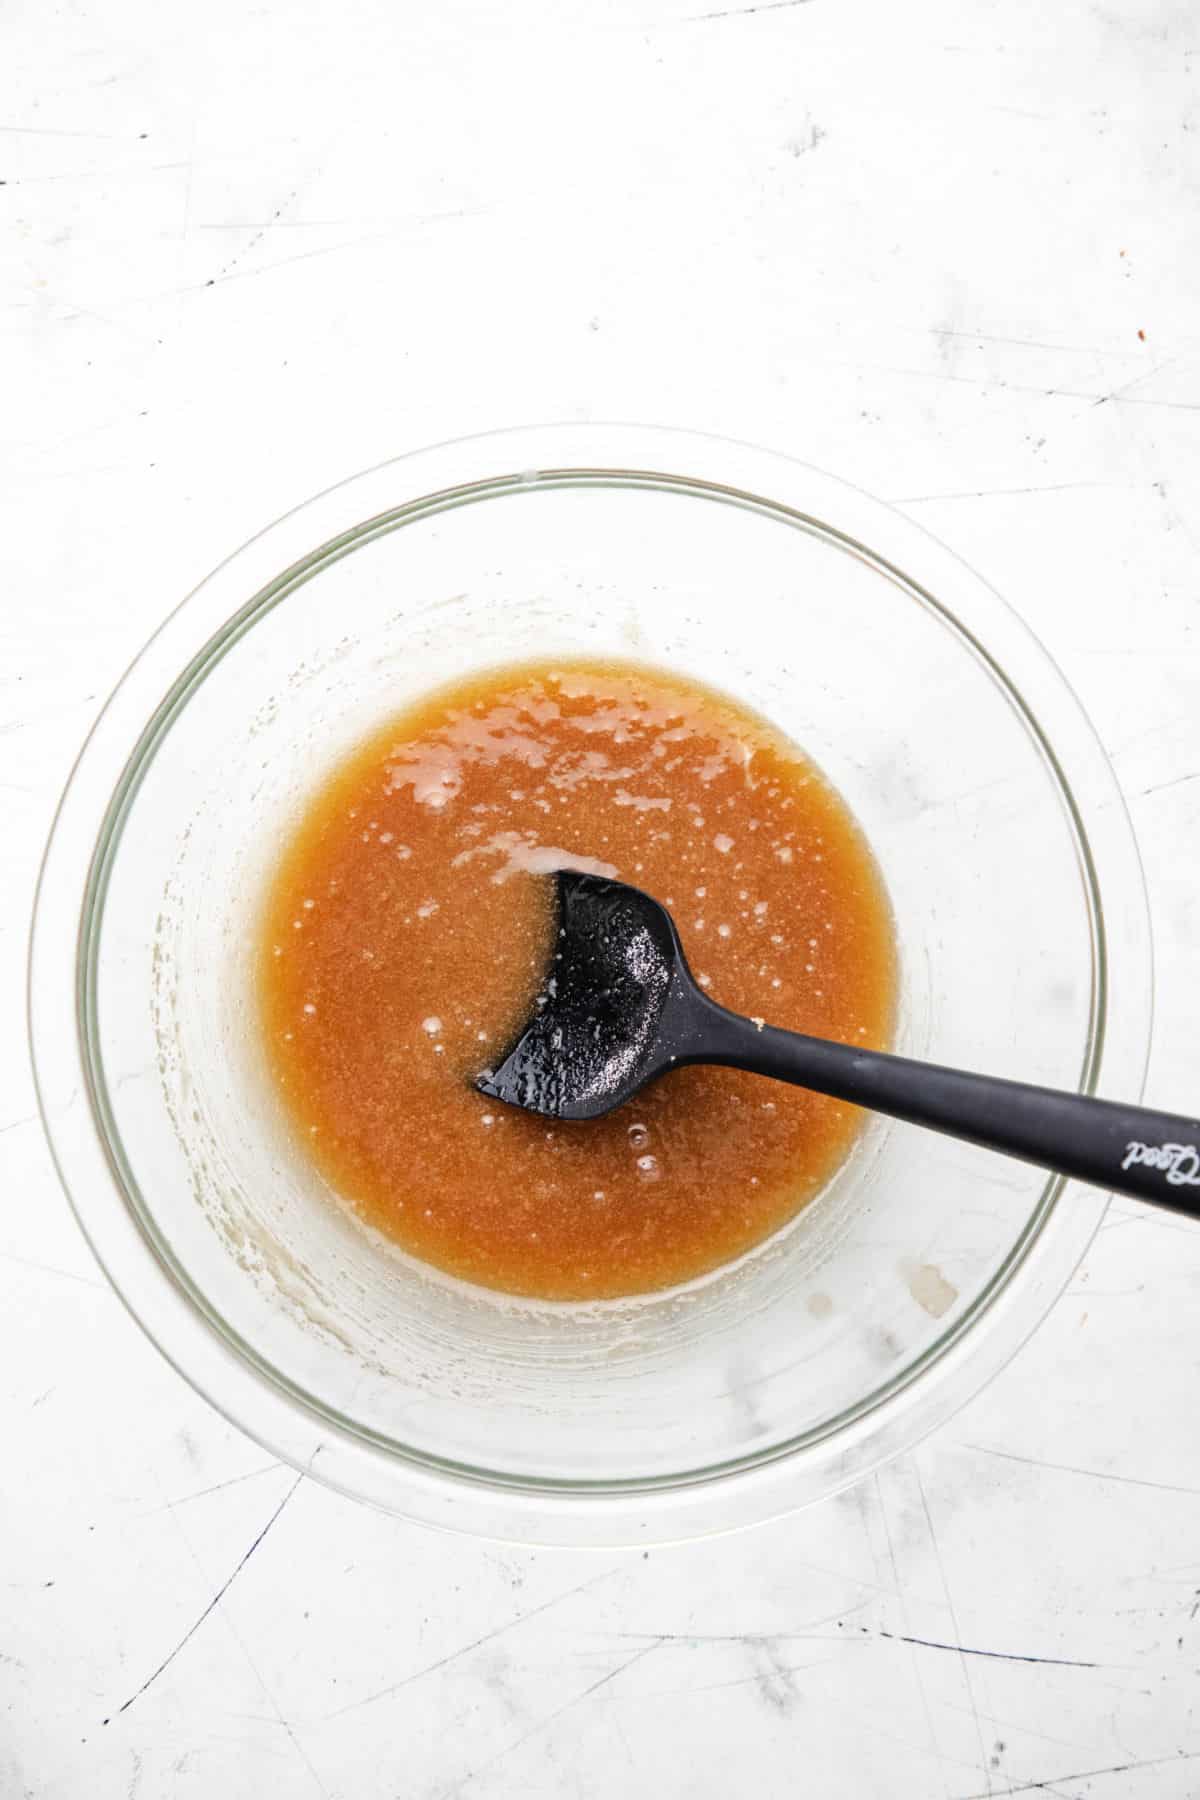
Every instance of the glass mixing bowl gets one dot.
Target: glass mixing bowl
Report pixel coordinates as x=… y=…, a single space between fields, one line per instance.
x=896 y=1294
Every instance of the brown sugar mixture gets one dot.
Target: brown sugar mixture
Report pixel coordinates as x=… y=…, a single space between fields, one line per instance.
x=409 y=927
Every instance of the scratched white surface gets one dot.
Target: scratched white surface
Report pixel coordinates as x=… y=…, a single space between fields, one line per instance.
x=248 y=250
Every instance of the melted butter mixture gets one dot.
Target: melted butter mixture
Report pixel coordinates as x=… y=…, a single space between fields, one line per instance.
x=409 y=928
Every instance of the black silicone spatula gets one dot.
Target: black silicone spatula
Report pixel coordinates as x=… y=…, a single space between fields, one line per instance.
x=620 y=1008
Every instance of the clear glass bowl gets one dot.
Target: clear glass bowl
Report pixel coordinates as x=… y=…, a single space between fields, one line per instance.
x=1023 y=939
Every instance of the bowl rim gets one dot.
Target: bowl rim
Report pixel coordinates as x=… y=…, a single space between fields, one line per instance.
x=86 y=830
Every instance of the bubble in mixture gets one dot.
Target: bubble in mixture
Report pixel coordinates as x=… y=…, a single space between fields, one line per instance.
x=648 y=1168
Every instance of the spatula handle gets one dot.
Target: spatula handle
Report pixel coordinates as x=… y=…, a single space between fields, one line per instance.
x=1152 y=1155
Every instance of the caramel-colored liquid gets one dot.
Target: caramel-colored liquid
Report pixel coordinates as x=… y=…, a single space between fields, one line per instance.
x=410 y=926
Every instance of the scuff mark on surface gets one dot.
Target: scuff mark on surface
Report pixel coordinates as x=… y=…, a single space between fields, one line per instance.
x=1058 y=1662
x=1038 y=1462
x=1052 y=1783
x=453 y=1656
x=743 y=12
x=213 y=1603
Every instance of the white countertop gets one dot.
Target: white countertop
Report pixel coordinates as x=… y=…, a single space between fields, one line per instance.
x=245 y=251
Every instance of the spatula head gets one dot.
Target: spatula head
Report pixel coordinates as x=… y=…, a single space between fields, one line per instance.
x=594 y=1040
